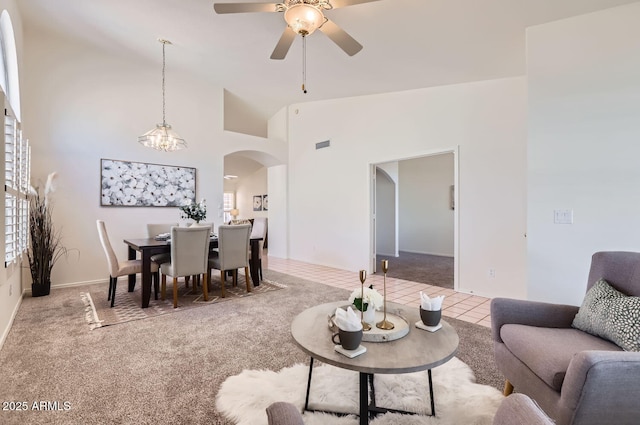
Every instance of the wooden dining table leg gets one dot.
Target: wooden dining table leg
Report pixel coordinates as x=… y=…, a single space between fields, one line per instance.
x=131 y=255
x=146 y=278
x=254 y=261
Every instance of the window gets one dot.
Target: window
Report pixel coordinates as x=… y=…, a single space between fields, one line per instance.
x=17 y=161
x=16 y=184
x=229 y=204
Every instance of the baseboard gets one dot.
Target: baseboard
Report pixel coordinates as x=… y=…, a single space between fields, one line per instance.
x=72 y=284
x=5 y=332
x=437 y=254
x=387 y=255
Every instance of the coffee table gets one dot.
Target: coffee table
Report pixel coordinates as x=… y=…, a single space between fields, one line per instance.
x=418 y=350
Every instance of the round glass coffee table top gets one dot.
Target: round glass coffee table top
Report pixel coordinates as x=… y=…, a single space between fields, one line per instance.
x=418 y=350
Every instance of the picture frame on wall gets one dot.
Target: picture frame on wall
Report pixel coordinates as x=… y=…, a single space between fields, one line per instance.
x=257 y=203
x=140 y=184
x=265 y=202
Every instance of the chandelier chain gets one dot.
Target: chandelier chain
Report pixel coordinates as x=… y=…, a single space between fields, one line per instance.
x=164 y=122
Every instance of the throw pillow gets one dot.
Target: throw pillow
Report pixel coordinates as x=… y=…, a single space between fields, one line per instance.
x=610 y=314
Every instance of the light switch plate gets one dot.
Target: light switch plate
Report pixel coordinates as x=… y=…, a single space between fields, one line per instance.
x=563 y=216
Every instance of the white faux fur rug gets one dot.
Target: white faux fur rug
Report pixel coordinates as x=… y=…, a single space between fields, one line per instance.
x=459 y=400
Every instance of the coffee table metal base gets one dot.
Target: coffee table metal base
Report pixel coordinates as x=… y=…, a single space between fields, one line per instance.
x=367 y=390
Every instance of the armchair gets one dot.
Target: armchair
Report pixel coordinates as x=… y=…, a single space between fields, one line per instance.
x=575 y=377
x=520 y=409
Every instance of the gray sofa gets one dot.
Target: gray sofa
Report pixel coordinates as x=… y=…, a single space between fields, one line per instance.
x=575 y=377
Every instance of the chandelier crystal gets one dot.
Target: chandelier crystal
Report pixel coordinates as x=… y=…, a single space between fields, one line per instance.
x=162 y=137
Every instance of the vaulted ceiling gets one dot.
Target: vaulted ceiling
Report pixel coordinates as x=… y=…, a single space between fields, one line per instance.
x=408 y=44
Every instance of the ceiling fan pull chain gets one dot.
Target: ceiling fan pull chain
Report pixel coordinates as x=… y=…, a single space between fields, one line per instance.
x=304 y=64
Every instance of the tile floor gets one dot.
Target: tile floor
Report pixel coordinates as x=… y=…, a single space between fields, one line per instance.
x=461 y=306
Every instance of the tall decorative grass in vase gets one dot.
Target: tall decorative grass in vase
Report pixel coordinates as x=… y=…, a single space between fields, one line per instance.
x=45 y=247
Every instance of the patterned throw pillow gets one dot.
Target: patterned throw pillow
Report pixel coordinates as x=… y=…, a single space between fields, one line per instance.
x=610 y=314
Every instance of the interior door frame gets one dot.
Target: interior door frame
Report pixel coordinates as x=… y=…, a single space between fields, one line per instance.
x=456 y=212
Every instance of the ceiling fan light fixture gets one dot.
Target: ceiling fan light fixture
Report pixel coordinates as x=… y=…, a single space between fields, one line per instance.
x=304 y=18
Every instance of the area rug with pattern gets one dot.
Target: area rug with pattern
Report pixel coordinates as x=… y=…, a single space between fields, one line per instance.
x=458 y=398
x=99 y=313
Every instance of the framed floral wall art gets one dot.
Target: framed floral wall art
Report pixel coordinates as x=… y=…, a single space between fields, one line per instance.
x=138 y=184
x=257 y=203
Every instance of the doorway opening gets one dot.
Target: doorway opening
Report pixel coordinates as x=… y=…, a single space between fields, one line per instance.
x=415 y=218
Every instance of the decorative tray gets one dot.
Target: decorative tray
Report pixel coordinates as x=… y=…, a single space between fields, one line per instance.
x=380 y=335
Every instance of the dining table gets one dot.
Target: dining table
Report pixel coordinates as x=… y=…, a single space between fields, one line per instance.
x=147 y=247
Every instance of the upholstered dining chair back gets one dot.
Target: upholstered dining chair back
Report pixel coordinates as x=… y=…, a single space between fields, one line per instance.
x=233 y=246
x=112 y=259
x=189 y=250
x=120 y=268
x=155 y=229
x=259 y=229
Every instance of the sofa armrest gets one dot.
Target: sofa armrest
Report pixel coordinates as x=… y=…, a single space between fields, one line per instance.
x=597 y=380
x=532 y=313
x=282 y=413
x=520 y=409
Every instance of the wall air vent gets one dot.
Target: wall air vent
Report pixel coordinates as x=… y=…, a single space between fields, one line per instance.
x=324 y=144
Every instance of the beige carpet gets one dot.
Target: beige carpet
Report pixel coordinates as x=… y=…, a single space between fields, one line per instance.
x=99 y=313
x=166 y=370
x=423 y=268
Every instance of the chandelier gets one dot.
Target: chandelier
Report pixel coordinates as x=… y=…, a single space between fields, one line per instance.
x=162 y=137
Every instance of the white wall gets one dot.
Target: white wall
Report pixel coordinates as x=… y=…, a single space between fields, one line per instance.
x=329 y=198
x=584 y=133
x=248 y=186
x=385 y=215
x=278 y=219
x=82 y=104
x=426 y=219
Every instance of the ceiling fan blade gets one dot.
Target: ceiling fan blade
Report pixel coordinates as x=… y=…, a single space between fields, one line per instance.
x=244 y=7
x=285 y=42
x=341 y=38
x=343 y=3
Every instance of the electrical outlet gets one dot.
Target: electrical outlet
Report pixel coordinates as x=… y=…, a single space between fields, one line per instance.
x=492 y=273
x=10 y=289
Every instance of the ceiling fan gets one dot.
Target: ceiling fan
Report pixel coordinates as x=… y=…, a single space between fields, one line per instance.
x=303 y=17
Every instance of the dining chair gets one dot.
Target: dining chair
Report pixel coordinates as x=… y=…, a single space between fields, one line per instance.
x=233 y=253
x=196 y=279
x=155 y=229
x=189 y=257
x=120 y=268
x=259 y=231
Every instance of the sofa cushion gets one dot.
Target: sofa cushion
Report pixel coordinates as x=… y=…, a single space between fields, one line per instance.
x=608 y=313
x=548 y=351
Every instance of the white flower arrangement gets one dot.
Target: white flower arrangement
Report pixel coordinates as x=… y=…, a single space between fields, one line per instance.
x=371 y=297
x=196 y=212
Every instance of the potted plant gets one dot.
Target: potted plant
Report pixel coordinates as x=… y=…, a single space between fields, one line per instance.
x=195 y=211
x=45 y=247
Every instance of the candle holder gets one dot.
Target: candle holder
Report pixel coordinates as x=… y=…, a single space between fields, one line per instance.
x=363 y=277
x=385 y=324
